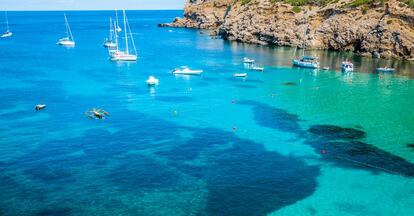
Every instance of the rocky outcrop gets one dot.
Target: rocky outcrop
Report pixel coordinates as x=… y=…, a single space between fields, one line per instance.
x=378 y=29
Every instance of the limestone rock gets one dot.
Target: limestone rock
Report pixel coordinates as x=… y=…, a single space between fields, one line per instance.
x=381 y=30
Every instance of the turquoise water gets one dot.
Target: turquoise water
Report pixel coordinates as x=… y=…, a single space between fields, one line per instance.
x=286 y=141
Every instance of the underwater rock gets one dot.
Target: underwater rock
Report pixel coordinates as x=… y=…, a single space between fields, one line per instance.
x=289 y=84
x=336 y=132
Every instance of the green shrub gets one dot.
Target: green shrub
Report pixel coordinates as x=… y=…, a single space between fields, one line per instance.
x=410 y=3
x=296 y=9
x=243 y=2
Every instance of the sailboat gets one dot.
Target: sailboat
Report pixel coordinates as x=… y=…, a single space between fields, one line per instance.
x=7 y=33
x=306 y=61
x=109 y=42
x=117 y=28
x=119 y=55
x=67 y=41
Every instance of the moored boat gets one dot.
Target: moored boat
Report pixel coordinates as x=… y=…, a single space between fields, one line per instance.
x=347 y=66
x=67 y=41
x=248 y=61
x=7 y=33
x=184 y=70
x=306 y=62
x=109 y=42
x=240 y=75
x=257 y=68
x=125 y=55
x=385 y=70
x=151 y=81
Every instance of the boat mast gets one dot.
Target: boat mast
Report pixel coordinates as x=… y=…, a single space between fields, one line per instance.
x=116 y=35
x=68 y=31
x=117 y=21
x=7 y=22
x=126 y=35
x=130 y=35
x=110 y=29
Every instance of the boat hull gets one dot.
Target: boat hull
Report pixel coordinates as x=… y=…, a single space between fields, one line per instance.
x=116 y=56
x=109 y=45
x=6 y=35
x=240 y=75
x=385 y=70
x=304 y=64
x=187 y=73
x=66 y=43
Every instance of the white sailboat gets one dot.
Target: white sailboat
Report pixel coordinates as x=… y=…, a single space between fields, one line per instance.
x=117 y=27
x=109 y=42
x=125 y=55
x=67 y=41
x=7 y=33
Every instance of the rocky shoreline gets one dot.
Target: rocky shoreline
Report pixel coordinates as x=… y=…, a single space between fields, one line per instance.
x=379 y=29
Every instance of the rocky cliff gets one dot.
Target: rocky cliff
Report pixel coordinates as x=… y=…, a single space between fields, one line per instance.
x=379 y=28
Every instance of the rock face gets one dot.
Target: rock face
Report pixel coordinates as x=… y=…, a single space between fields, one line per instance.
x=379 y=29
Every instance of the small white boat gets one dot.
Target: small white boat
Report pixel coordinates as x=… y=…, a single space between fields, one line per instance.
x=240 y=75
x=347 y=66
x=151 y=81
x=67 y=41
x=385 y=70
x=248 y=61
x=306 y=62
x=40 y=107
x=256 y=68
x=119 y=55
x=325 y=68
x=7 y=33
x=184 y=70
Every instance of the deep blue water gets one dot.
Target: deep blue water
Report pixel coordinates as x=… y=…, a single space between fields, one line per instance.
x=202 y=145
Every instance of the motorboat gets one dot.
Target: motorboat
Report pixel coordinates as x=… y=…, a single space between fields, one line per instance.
x=40 y=107
x=256 y=68
x=184 y=70
x=347 y=66
x=152 y=81
x=385 y=70
x=306 y=62
x=67 y=41
x=248 y=61
x=240 y=75
x=325 y=68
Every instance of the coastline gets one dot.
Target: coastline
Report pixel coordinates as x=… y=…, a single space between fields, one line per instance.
x=381 y=31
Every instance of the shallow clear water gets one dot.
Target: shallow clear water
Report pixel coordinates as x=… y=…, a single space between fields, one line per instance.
x=286 y=141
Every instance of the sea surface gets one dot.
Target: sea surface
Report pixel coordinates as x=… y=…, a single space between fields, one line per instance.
x=286 y=141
